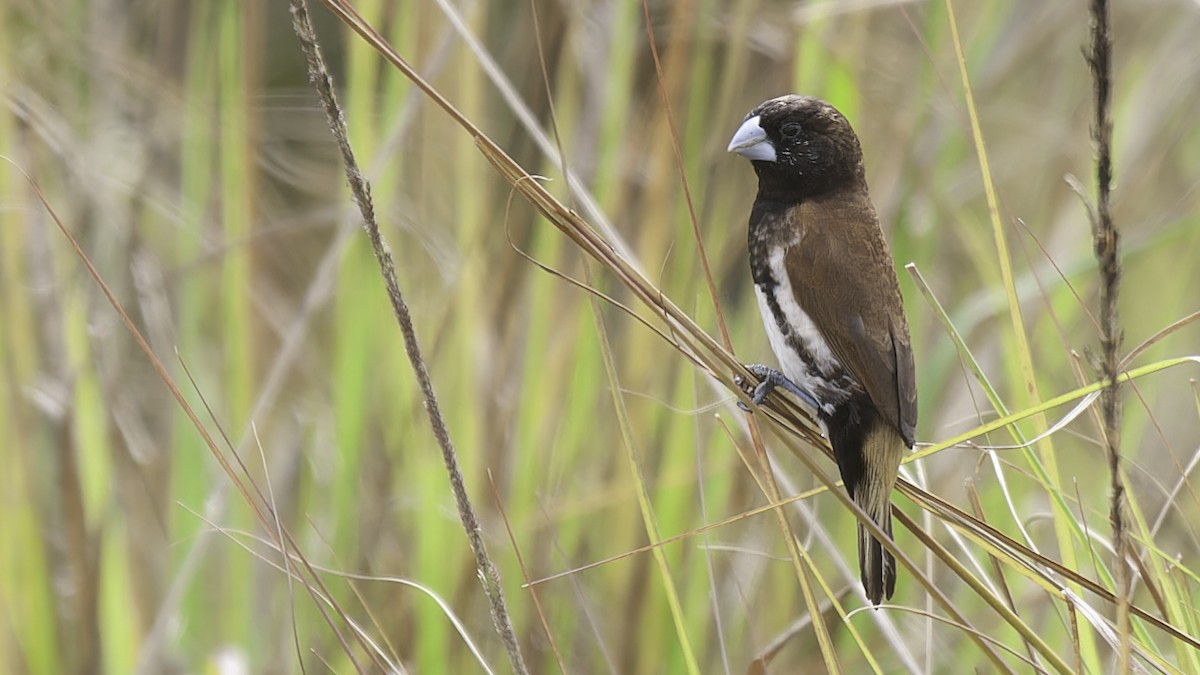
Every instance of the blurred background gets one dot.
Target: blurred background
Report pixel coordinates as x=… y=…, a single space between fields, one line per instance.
x=183 y=147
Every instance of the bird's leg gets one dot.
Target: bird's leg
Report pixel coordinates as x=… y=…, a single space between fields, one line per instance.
x=769 y=378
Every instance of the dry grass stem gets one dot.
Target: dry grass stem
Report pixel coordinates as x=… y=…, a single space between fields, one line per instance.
x=1107 y=249
x=361 y=192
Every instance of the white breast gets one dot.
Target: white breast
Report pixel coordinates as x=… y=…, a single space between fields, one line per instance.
x=801 y=326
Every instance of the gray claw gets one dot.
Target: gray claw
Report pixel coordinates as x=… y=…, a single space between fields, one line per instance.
x=771 y=378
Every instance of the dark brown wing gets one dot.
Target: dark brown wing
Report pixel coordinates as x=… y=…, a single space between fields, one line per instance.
x=857 y=301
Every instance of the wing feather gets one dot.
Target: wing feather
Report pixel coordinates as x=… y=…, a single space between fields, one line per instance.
x=857 y=304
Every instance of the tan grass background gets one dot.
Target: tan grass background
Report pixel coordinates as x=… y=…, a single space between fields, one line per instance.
x=182 y=146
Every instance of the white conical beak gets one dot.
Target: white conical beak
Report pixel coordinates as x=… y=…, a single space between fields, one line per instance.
x=751 y=142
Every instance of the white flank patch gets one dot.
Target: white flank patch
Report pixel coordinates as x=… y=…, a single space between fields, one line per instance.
x=802 y=327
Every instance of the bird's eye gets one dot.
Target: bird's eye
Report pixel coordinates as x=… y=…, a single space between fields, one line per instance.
x=790 y=130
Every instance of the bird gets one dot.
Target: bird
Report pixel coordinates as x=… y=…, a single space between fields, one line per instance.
x=830 y=301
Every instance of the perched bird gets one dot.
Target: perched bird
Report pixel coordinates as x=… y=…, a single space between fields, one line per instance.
x=830 y=300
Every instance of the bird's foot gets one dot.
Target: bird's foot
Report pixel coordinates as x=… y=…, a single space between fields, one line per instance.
x=769 y=378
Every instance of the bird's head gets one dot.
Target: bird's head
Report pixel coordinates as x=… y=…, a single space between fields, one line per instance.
x=799 y=144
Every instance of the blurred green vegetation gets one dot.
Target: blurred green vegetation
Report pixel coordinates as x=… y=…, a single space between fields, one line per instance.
x=182 y=145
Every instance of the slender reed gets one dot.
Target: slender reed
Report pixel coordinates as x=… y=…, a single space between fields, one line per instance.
x=360 y=190
x=1106 y=242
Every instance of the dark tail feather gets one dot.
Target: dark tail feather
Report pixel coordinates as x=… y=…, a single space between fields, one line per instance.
x=882 y=449
x=877 y=565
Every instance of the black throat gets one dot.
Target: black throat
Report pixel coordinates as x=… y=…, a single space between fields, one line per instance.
x=784 y=186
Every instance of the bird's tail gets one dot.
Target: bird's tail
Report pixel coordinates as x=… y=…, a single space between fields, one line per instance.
x=882 y=448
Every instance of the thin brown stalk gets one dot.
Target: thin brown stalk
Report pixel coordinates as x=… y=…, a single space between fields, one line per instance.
x=683 y=181
x=1074 y=623
x=361 y=192
x=1107 y=249
x=997 y=566
x=264 y=510
x=537 y=603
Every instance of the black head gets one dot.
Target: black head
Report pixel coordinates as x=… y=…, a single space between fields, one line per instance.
x=801 y=147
